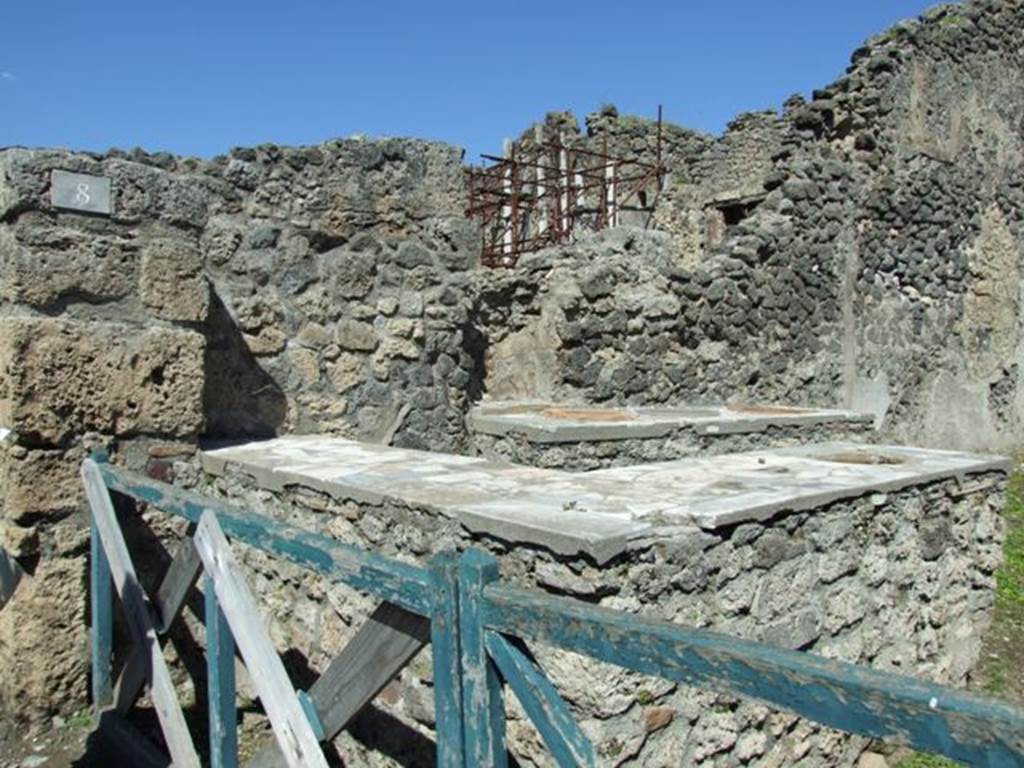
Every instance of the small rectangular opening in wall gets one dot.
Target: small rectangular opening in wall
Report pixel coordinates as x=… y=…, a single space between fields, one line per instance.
x=726 y=212
x=733 y=213
x=736 y=209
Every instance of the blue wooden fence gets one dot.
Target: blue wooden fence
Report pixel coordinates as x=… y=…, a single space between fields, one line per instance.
x=479 y=628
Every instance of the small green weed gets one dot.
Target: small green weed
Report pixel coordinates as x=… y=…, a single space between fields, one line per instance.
x=1010 y=578
x=1001 y=667
x=81 y=719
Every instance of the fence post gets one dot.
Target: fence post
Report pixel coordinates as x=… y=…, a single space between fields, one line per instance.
x=444 y=643
x=483 y=706
x=101 y=609
x=101 y=605
x=220 y=682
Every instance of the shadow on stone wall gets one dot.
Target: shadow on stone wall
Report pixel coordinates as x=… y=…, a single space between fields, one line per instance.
x=475 y=344
x=240 y=399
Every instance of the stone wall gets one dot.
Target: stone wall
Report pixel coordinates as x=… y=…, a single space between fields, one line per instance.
x=946 y=203
x=709 y=181
x=333 y=289
x=273 y=290
x=616 y=319
x=703 y=177
x=902 y=185
x=878 y=267
x=581 y=456
x=100 y=341
x=342 y=278
x=900 y=581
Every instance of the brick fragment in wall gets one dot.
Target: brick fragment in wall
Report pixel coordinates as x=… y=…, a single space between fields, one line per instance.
x=60 y=378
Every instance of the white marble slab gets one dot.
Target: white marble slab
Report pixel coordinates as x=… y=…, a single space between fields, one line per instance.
x=540 y=422
x=595 y=513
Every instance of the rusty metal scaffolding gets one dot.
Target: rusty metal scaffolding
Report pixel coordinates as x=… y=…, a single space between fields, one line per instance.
x=542 y=191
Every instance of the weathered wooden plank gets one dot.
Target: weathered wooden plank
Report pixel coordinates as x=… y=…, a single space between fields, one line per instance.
x=844 y=696
x=220 y=677
x=483 y=708
x=133 y=677
x=140 y=624
x=445 y=648
x=170 y=599
x=101 y=609
x=10 y=576
x=288 y=721
x=118 y=738
x=400 y=583
x=547 y=710
x=181 y=576
x=385 y=643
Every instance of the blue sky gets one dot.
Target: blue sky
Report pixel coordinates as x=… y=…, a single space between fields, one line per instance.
x=197 y=78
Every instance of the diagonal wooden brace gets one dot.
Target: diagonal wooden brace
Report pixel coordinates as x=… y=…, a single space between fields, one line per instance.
x=545 y=707
x=386 y=642
x=292 y=730
x=139 y=619
x=181 y=576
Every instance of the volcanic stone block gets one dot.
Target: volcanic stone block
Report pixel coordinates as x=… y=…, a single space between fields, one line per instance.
x=41 y=263
x=355 y=335
x=43 y=642
x=183 y=200
x=172 y=282
x=61 y=378
x=37 y=483
x=19 y=184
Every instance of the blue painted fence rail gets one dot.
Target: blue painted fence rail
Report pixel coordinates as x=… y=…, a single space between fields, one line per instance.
x=397 y=582
x=220 y=662
x=478 y=626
